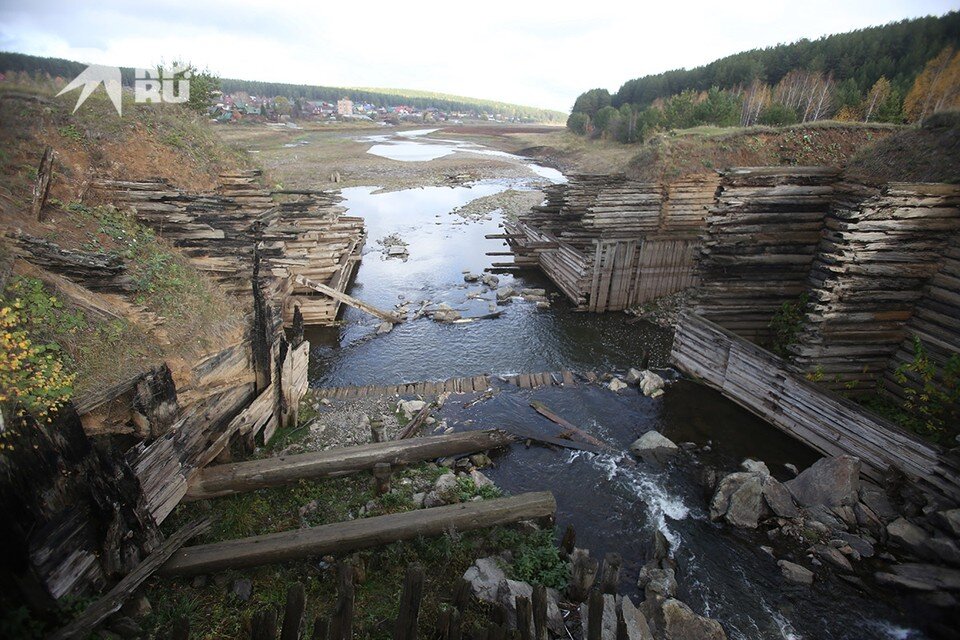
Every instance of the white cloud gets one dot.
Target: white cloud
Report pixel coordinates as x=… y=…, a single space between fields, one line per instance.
x=537 y=53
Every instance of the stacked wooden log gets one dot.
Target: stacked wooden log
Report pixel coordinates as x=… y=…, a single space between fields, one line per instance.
x=760 y=242
x=609 y=242
x=879 y=249
x=935 y=322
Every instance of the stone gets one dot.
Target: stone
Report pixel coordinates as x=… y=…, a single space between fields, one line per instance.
x=832 y=556
x=444 y=491
x=795 y=573
x=778 y=498
x=634 y=621
x=471 y=277
x=125 y=627
x=921 y=577
x=860 y=545
x=608 y=625
x=491 y=280
x=746 y=504
x=446 y=315
x=792 y=468
x=651 y=383
x=755 y=466
x=480 y=480
x=506 y=595
x=943 y=549
x=138 y=606
x=410 y=408
x=878 y=501
x=657 y=581
x=831 y=481
x=907 y=535
x=242 y=588
x=616 y=385
x=505 y=294
x=949 y=521
x=418 y=499
x=542 y=304
x=653 y=446
x=480 y=460
x=633 y=376
x=484 y=576
x=384 y=327
x=534 y=293
x=846 y=514
x=826 y=517
x=681 y=623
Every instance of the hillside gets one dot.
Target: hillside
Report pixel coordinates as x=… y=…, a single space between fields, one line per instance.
x=900 y=72
x=58 y=67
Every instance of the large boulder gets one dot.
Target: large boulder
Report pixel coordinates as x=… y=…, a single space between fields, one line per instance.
x=829 y=481
x=739 y=500
x=921 y=577
x=484 y=576
x=778 y=498
x=654 y=447
x=634 y=621
x=681 y=623
x=905 y=534
x=410 y=408
x=795 y=573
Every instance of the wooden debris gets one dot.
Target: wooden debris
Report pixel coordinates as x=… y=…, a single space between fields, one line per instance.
x=293 y=612
x=414 y=425
x=358 y=534
x=407 y=622
x=84 y=624
x=41 y=187
x=386 y=316
x=270 y=472
x=341 y=623
x=545 y=411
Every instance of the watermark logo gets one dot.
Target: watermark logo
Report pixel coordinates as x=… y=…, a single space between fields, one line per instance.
x=150 y=85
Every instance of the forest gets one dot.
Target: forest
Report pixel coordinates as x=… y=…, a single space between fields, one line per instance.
x=58 y=67
x=899 y=72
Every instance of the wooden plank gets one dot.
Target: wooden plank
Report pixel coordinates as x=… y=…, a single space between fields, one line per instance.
x=234 y=478
x=545 y=411
x=84 y=624
x=358 y=534
x=348 y=300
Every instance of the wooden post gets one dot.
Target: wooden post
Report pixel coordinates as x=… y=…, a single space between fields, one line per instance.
x=455 y=628
x=569 y=540
x=461 y=595
x=540 y=612
x=341 y=626
x=263 y=626
x=582 y=574
x=622 y=633
x=498 y=632
x=381 y=476
x=595 y=620
x=321 y=628
x=408 y=618
x=41 y=187
x=524 y=617
x=610 y=576
x=293 y=613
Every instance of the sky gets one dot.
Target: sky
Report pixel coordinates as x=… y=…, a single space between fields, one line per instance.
x=540 y=54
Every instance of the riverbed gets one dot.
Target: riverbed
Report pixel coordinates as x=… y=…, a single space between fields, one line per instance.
x=614 y=506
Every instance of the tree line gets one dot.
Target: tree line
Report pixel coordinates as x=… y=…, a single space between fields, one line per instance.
x=899 y=72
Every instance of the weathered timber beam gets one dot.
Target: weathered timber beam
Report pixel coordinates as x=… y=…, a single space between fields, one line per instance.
x=84 y=624
x=228 y=479
x=358 y=534
x=348 y=300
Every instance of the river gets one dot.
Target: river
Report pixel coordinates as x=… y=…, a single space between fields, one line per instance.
x=722 y=572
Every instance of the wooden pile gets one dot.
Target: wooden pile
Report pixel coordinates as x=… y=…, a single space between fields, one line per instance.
x=935 y=321
x=610 y=243
x=879 y=248
x=760 y=242
x=781 y=394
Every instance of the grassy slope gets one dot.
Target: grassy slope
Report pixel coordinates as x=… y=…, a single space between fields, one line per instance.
x=557 y=116
x=195 y=317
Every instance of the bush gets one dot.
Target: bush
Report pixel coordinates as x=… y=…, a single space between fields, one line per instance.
x=778 y=115
x=931 y=394
x=786 y=325
x=578 y=123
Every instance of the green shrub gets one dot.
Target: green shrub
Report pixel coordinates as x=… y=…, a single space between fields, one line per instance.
x=786 y=325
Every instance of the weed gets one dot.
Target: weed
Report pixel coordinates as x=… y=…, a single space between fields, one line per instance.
x=71 y=132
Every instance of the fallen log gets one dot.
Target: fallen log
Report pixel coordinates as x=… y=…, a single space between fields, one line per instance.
x=414 y=425
x=228 y=479
x=41 y=187
x=84 y=624
x=348 y=300
x=556 y=442
x=545 y=411
x=353 y=535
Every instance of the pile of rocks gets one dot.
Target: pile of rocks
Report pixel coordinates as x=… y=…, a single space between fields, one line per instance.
x=650 y=383
x=840 y=519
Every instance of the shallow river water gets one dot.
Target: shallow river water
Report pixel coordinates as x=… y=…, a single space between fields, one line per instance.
x=722 y=572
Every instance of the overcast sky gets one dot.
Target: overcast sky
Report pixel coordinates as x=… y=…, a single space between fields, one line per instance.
x=535 y=53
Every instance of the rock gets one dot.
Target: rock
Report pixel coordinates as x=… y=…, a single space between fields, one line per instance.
x=410 y=408
x=830 y=481
x=792 y=468
x=651 y=383
x=739 y=500
x=125 y=627
x=616 y=385
x=446 y=315
x=534 y=293
x=652 y=446
x=943 y=549
x=418 y=499
x=921 y=577
x=608 y=625
x=242 y=588
x=480 y=460
x=471 y=277
x=846 y=514
x=949 y=521
x=491 y=280
x=657 y=581
x=681 y=623
x=542 y=304
x=905 y=534
x=634 y=621
x=384 y=327
x=481 y=480
x=444 y=491
x=861 y=546
x=505 y=294
x=876 y=498
x=755 y=466
x=633 y=376
x=139 y=606
x=778 y=498
x=484 y=577
x=833 y=556
x=795 y=573
x=826 y=516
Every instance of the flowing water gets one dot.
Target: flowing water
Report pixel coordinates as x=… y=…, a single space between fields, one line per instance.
x=614 y=506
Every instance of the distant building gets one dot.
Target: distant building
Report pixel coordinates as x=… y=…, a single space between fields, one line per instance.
x=345 y=107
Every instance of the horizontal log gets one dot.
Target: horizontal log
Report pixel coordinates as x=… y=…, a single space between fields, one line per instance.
x=228 y=479
x=358 y=534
